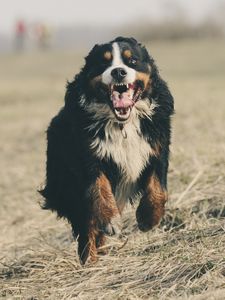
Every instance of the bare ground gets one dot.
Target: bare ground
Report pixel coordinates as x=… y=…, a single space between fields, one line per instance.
x=184 y=257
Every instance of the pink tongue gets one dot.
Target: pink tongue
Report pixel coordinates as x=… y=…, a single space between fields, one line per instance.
x=121 y=100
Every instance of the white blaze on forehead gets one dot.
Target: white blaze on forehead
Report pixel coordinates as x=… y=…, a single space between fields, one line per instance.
x=117 y=59
x=117 y=62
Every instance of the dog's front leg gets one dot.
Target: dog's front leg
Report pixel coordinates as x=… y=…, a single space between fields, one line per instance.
x=151 y=207
x=101 y=208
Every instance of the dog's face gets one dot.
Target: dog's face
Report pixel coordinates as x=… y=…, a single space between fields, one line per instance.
x=118 y=75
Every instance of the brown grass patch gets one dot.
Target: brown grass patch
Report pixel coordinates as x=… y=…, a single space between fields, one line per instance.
x=183 y=258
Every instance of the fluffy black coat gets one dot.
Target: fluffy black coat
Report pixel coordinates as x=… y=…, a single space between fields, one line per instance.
x=73 y=168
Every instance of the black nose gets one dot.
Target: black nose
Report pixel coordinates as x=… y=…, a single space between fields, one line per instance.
x=118 y=74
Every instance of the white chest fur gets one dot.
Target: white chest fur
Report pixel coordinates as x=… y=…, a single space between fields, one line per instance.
x=130 y=153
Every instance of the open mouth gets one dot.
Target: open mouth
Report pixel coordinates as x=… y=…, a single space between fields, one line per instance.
x=123 y=98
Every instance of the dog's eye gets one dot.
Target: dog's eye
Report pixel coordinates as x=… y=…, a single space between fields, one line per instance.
x=133 y=61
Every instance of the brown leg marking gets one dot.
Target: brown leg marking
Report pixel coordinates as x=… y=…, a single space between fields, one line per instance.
x=102 y=209
x=87 y=243
x=151 y=207
x=100 y=242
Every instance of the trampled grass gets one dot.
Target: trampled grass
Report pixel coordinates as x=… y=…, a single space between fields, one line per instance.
x=184 y=257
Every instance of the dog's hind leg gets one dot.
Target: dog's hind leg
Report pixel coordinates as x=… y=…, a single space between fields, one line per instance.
x=151 y=207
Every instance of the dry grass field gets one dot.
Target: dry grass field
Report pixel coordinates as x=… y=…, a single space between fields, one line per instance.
x=184 y=257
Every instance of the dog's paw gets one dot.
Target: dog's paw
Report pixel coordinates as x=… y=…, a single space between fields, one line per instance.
x=114 y=227
x=111 y=230
x=147 y=216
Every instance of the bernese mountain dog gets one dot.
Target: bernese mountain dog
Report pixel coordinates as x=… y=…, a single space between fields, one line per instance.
x=110 y=143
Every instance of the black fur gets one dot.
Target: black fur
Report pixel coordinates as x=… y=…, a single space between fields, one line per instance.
x=72 y=166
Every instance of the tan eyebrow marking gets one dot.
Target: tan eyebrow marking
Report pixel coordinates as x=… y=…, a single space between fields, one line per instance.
x=108 y=55
x=127 y=53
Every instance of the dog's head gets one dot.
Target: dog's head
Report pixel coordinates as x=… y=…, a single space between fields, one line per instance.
x=118 y=77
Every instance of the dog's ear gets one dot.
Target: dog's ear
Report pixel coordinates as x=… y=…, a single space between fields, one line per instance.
x=94 y=49
x=147 y=57
x=92 y=53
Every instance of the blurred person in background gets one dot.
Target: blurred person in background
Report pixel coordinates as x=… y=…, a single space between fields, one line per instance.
x=20 y=35
x=43 y=36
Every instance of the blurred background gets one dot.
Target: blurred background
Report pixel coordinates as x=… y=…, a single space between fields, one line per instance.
x=30 y=25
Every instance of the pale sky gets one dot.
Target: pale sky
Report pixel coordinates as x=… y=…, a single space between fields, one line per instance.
x=73 y=12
